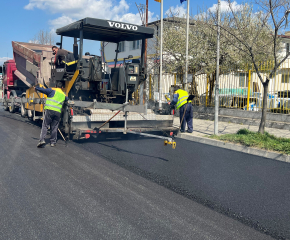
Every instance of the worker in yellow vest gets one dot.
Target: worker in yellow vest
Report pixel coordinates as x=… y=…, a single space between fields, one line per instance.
x=180 y=99
x=53 y=106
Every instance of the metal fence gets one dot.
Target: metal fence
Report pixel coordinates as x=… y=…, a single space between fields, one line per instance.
x=237 y=88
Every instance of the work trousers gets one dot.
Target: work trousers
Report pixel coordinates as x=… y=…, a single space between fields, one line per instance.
x=51 y=118
x=188 y=116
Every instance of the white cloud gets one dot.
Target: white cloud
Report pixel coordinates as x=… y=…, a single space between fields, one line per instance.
x=34 y=41
x=133 y=18
x=73 y=10
x=130 y=18
x=225 y=6
x=178 y=11
x=3 y=59
x=61 y=21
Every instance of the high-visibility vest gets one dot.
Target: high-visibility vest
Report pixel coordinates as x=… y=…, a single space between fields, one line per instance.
x=182 y=98
x=55 y=103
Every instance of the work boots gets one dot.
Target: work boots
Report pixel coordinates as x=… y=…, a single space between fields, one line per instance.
x=41 y=144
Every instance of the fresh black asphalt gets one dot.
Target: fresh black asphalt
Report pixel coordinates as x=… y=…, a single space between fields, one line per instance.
x=130 y=187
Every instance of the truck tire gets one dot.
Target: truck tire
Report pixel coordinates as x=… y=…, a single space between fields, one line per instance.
x=23 y=110
x=6 y=107
x=30 y=115
x=12 y=107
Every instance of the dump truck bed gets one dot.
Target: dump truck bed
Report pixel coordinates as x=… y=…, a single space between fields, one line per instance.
x=32 y=62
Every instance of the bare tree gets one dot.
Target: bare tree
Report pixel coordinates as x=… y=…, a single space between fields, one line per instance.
x=202 y=46
x=256 y=36
x=43 y=37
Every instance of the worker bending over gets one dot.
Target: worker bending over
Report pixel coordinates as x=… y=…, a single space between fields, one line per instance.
x=180 y=99
x=61 y=57
x=53 y=106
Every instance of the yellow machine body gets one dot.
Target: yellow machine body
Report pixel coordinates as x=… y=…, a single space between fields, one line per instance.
x=30 y=94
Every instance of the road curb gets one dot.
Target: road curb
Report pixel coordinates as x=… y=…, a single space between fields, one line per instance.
x=237 y=147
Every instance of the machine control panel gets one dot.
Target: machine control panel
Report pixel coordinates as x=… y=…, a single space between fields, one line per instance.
x=133 y=73
x=133 y=69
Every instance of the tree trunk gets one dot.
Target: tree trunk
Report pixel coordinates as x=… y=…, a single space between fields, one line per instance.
x=211 y=86
x=194 y=91
x=264 y=109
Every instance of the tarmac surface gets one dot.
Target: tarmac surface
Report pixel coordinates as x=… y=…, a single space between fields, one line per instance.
x=131 y=187
x=202 y=129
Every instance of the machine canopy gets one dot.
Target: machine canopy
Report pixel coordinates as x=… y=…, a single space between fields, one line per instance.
x=105 y=30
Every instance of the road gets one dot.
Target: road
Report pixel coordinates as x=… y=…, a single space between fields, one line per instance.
x=129 y=187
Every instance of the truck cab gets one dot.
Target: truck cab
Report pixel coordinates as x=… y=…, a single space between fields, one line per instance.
x=8 y=77
x=1 y=80
x=8 y=73
x=9 y=80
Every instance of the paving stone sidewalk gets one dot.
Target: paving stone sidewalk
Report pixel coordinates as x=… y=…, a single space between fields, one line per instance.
x=205 y=128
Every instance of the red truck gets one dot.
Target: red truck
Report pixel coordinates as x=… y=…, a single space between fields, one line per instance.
x=11 y=85
x=30 y=66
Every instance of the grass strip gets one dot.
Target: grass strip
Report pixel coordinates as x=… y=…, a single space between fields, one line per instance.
x=255 y=139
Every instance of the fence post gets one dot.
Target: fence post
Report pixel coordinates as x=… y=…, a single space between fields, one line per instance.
x=150 y=87
x=249 y=89
x=174 y=79
x=206 y=91
x=193 y=82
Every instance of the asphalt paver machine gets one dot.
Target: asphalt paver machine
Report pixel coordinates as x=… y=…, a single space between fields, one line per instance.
x=93 y=108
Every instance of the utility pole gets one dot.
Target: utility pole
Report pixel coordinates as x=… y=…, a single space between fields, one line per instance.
x=146 y=85
x=216 y=106
x=186 y=54
x=161 y=53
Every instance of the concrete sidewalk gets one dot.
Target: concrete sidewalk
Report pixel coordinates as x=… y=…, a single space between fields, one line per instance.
x=202 y=129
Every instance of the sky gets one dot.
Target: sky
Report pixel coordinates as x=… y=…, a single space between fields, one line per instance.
x=21 y=20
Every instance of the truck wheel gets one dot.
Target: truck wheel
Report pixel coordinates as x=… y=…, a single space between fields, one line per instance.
x=23 y=110
x=12 y=107
x=6 y=107
x=30 y=115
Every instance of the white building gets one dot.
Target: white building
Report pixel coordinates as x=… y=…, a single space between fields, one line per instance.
x=125 y=49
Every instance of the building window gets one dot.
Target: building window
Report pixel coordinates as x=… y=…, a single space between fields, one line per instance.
x=287 y=48
x=135 y=45
x=285 y=78
x=243 y=79
x=121 y=46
